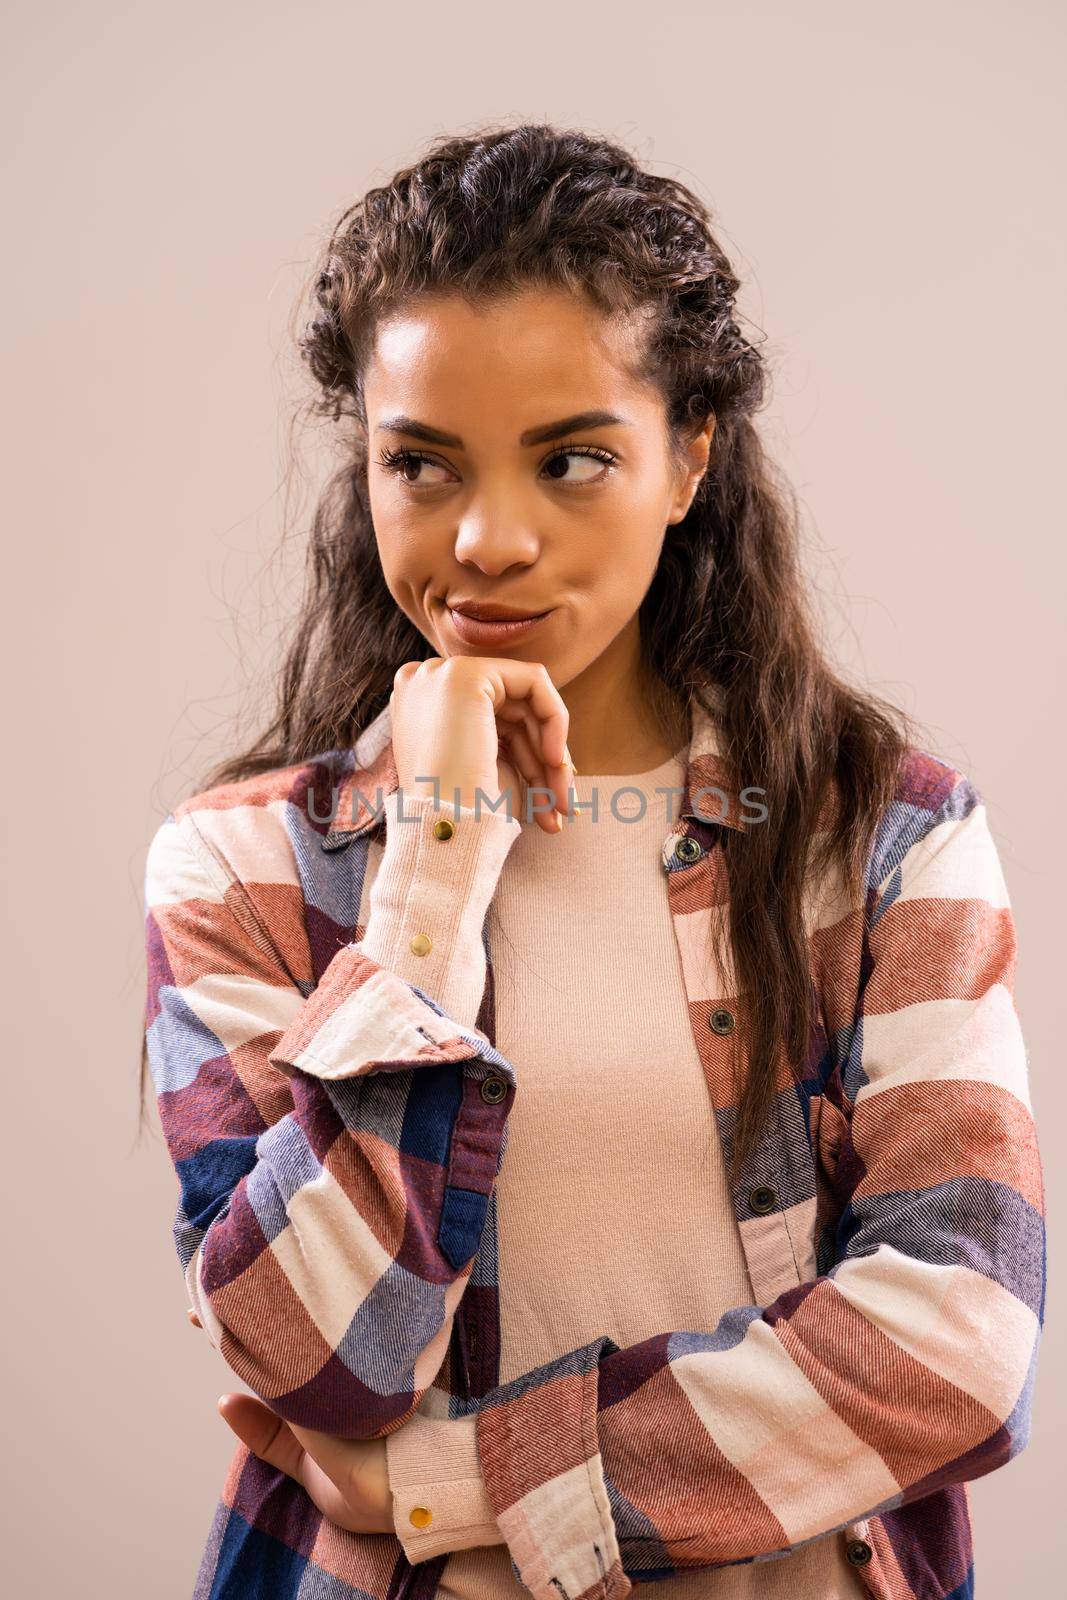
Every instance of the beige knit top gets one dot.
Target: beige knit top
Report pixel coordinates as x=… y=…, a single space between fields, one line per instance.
x=614 y=1215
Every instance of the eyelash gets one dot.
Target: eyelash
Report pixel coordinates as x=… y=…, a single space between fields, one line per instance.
x=394 y=460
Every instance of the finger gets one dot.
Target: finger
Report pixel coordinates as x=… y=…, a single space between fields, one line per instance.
x=521 y=752
x=557 y=778
x=529 y=681
x=515 y=747
x=263 y=1431
x=549 y=721
x=330 y=1476
x=517 y=750
x=510 y=777
x=340 y=1459
x=193 y=1318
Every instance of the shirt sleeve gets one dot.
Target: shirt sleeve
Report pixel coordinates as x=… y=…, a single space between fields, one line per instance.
x=335 y=1150
x=439 y=868
x=906 y=1366
x=439 y=1496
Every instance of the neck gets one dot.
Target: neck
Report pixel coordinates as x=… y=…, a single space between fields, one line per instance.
x=620 y=721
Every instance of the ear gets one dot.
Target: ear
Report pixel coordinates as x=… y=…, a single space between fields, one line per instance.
x=695 y=464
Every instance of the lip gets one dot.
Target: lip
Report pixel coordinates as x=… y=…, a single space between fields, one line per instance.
x=484 y=630
x=492 y=611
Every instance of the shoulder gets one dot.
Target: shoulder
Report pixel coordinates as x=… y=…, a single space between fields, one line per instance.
x=255 y=829
x=933 y=801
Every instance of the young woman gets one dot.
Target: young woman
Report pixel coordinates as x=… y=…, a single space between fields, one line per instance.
x=582 y=1023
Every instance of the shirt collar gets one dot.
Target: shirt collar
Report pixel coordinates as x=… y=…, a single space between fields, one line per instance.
x=709 y=793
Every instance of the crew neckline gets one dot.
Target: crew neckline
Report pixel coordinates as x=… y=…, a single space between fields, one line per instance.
x=629 y=777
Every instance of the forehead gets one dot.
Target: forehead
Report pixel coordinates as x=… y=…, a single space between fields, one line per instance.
x=440 y=357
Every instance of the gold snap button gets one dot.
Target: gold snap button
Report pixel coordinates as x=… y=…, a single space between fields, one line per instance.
x=721 y=1020
x=421 y=1516
x=762 y=1200
x=493 y=1090
x=444 y=828
x=421 y=945
x=859 y=1552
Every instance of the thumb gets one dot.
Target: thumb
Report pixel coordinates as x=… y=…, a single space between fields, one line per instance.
x=263 y=1431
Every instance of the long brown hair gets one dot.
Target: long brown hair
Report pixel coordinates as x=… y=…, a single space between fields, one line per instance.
x=510 y=206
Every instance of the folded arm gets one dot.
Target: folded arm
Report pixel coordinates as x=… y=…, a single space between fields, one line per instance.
x=335 y=1150
x=906 y=1367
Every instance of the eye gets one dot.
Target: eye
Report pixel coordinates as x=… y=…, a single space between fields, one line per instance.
x=588 y=452
x=400 y=461
x=406 y=464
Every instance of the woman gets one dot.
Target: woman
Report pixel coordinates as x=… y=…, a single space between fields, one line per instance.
x=724 y=1316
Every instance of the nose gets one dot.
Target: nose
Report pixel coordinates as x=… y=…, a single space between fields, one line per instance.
x=493 y=539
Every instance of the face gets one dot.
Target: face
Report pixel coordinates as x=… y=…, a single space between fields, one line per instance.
x=514 y=460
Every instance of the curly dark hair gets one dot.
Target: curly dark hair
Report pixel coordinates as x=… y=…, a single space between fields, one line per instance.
x=509 y=207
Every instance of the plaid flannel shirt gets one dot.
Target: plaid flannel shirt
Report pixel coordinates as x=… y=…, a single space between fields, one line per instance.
x=336 y=1137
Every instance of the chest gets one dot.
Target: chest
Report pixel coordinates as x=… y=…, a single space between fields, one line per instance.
x=676 y=934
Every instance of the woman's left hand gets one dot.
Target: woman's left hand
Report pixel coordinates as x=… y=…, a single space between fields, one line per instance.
x=347 y=1478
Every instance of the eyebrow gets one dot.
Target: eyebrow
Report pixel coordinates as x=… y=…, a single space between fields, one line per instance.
x=540 y=435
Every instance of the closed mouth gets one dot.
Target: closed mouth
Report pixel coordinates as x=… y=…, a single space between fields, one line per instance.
x=489 y=613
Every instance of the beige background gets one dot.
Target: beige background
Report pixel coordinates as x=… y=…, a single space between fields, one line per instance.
x=888 y=180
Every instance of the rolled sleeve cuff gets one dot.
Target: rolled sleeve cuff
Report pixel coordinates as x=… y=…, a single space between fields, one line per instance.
x=360 y=1018
x=541 y=1462
x=436 y=1478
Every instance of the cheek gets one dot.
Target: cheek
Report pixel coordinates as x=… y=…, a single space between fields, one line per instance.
x=623 y=550
x=406 y=551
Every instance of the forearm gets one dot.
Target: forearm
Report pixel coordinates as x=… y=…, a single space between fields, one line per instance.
x=326 y=1251
x=903 y=1370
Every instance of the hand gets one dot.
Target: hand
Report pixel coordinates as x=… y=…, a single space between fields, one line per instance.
x=471 y=721
x=346 y=1478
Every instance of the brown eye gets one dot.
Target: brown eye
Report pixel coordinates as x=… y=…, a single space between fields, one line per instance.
x=406 y=464
x=603 y=459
